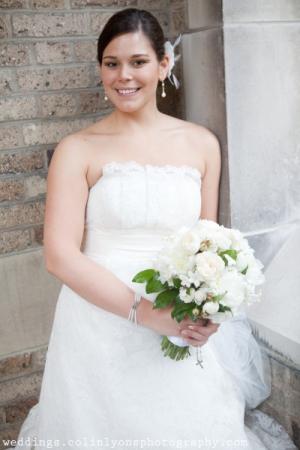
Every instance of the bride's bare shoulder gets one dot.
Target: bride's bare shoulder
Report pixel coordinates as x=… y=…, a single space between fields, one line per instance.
x=198 y=136
x=202 y=143
x=192 y=129
x=75 y=153
x=82 y=141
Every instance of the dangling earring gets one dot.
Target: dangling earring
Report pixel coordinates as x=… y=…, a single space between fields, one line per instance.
x=163 y=93
x=105 y=96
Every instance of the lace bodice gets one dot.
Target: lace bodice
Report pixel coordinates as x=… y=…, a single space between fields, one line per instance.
x=130 y=195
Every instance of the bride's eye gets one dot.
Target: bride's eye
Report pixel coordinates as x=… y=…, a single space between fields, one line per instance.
x=140 y=61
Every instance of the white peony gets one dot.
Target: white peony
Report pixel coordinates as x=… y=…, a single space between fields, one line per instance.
x=190 y=242
x=238 y=241
x=165 y=269
x=220 y=239
x=254 y=274
x=181 y=261
x=209 y=265
x=234 y=284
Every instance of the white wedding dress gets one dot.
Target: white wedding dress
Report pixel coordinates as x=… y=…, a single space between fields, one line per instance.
x=106 y=382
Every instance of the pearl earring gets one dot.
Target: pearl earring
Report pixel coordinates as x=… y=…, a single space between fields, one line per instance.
x=105 y=97
x=163 y=93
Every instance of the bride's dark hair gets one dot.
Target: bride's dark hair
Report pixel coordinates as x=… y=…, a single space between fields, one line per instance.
x=131 y=20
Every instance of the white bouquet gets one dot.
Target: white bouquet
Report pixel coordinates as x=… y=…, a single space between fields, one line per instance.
x=207 y=271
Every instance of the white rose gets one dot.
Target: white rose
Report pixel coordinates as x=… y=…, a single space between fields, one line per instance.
x=242 y=261
x=211 y=307
x=209 y=265
x=190 y=242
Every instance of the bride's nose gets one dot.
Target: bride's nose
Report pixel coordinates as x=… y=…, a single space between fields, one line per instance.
x=125 y=72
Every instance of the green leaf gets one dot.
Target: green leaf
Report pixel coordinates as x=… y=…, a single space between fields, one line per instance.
x=178 y=299
x=181 y=310
x=232 y=253
x=244 y=271
x=144 y=275
x=224 y=259
x=155 y=285
x=165 y=298
x=177 y=282
x=223 y=308
x=219 y=297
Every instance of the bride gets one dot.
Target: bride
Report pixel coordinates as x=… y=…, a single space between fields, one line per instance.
x=115 y=190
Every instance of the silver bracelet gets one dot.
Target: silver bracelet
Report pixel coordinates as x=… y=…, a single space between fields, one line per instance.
x=132 y=313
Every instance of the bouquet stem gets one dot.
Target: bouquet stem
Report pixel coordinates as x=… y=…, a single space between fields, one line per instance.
x=174 y=351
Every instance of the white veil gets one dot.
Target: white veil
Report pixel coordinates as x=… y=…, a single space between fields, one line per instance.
x=240 y=354
x=236 y=348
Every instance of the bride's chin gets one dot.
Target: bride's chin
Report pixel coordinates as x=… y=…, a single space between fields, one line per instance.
x=128 y=108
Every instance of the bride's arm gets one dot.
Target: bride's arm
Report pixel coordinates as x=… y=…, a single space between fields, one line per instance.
x=67 y=195
x=211 y=180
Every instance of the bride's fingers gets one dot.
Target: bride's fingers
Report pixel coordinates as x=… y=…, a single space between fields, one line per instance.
x=206 y=331
x=186 y=322
x=195 y=342
x=194 y=335
x=209 y=329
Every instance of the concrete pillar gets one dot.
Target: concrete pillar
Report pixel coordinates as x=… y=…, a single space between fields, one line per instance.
x=241 y=64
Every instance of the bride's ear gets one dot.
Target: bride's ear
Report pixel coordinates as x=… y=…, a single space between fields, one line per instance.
x=164 y=66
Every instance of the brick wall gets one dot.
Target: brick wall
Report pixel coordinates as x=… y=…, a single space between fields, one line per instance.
x=20 y=382
x=284 y=401
x=49 y=87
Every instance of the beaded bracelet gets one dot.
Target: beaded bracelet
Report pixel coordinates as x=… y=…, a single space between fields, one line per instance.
x=132 y=313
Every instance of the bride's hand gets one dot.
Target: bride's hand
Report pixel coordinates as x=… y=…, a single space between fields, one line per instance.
x=161 y=321
x=158 y=320
x=197 y=333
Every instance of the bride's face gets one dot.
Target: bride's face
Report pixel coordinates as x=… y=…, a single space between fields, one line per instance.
x=129 y=62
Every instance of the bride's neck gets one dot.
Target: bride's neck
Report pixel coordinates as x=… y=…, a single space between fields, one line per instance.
x=137 y=121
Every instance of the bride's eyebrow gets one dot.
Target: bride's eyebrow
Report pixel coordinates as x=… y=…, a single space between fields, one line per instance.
x=132 y=56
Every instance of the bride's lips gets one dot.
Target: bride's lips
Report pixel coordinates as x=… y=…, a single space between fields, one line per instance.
x=127 y=92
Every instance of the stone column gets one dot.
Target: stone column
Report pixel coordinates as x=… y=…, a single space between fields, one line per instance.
x=241 y=71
